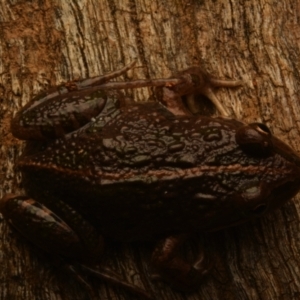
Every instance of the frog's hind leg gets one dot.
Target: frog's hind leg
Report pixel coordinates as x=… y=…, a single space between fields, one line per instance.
x=188 y=83
x=102 y=82
x=172 y=268
x=98 y=80
x=140 y=83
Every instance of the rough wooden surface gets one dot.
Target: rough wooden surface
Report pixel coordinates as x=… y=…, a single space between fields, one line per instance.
x=46 y=42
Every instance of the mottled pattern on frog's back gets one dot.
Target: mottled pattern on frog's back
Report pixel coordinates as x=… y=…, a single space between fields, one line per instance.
x=146 y=136
x=141 y=138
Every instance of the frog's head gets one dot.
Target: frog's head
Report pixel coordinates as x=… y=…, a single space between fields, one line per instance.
x=269 y=176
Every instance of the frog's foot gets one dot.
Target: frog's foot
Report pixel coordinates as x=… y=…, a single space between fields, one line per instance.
x=194 y=81
x=172 y=268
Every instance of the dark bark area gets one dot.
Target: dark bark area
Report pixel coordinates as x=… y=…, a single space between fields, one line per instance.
x=44 y=43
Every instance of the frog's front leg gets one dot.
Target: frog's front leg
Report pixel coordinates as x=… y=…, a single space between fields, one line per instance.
x=172 y=268
x=195 y=81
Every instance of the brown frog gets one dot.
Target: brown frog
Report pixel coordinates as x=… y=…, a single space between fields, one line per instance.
x=108 y=167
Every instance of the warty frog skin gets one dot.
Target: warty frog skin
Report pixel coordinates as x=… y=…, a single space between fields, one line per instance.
x=106 y=166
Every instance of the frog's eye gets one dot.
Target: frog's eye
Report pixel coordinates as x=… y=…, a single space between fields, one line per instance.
x=255 y=139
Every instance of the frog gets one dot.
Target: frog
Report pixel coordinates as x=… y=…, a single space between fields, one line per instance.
x=99 y=165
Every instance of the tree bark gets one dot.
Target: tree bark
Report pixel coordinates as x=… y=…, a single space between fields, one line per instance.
x=44 y=43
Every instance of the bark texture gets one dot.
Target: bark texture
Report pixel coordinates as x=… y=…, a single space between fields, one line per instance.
x=43 y=43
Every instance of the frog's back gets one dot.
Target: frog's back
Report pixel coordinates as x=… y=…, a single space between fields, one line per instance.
x=146 y=173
